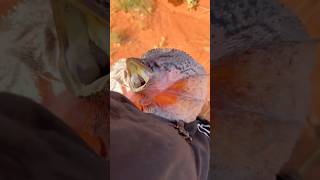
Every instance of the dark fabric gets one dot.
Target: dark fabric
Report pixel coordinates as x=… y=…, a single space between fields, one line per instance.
x=145 y=146
x=36 y=145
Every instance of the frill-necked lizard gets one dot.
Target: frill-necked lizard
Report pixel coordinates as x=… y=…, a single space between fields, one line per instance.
x=165 y=82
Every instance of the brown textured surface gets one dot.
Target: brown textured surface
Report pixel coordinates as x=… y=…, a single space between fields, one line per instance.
x=6 y=5
x=259 y=110
x=261 y=88
x=308 y=12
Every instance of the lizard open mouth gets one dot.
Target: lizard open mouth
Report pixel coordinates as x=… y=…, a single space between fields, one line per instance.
x=138 y=74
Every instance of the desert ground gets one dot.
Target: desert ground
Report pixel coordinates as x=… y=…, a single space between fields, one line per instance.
x=168 y=26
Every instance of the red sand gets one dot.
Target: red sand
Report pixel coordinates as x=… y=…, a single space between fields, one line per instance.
x=186 y=30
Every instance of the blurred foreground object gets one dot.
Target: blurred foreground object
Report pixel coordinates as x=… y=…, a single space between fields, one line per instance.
x=83 y=60
x=55 y=52
x=82 y=34
x=165 y=82
x=37 y=145
x=261 y=71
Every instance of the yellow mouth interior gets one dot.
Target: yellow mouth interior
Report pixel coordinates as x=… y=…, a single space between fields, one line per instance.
x=138 y=75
